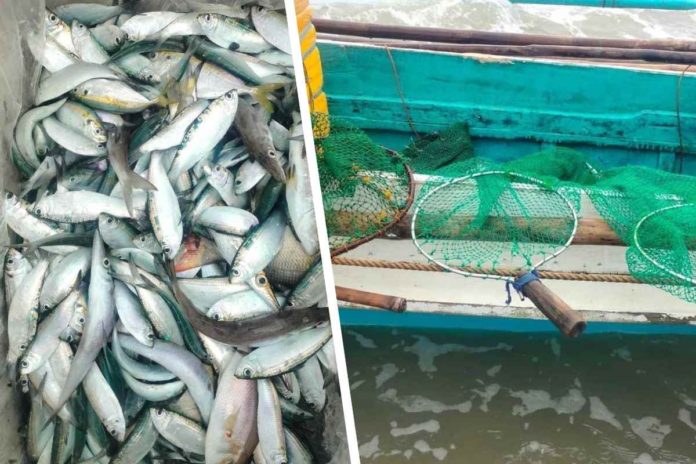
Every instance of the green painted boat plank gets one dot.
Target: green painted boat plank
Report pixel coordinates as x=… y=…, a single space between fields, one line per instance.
x=511 y=99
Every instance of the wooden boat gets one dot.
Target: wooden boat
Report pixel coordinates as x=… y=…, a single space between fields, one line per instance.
x=619 y=111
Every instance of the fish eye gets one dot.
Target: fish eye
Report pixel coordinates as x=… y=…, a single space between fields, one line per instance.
x=238 y=181
x=47 y=307
x=22 y=347
x=159 y=411
x=271 y=153
x=106 y=262
x=85 y=92
x=38 y=211
x=229 y=95
x=216 y=316
x=150 y=336
x=167 y=250
x=118 y=40
x=53 y=18
x=150 y=77
x=207 y=17
x=10 y=261
x=262 y=280
x=101 y=145
x=235 y=272
x=9 y=195
x=112 y=432
x=72 y=179
x=24 y=364
x=218 y=168
x=142 y=239
x=81 y=320
x=246 y=372
x=69 y=338
x=110 y=220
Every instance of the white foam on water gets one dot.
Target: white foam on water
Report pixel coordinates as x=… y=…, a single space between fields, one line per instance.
x=687 y=401
x=356 y=385
x=645 y=458
x=388 y=371
x=502 y=16
x=369 y=448
x=684 y=415
x=417 y=403
x=362 y=340
x=493 y=371
x=439 y=453
x=651 y=430
x=487 y=395
x=599 y=411
x=427 y=351
x=622 y=353
x=430 y=426
x=537 y=400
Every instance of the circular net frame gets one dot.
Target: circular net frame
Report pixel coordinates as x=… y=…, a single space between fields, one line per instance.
x=663 y=251
x=365 y=188
x=491 y=220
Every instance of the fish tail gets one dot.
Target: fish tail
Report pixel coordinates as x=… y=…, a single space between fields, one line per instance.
x=139 y=182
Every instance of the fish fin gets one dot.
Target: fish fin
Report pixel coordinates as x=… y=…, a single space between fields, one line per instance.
x=261 y=94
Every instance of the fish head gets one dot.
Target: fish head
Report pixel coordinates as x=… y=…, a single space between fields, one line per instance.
x=240 y=272
x=96 y=130
x=278 y=458
x=247 y=368
x=161 y=417
x=29 y=363
x=14 y=260
x=12 y=202
x=79 y=30
x=169 y=251
x=208 y=21
x=149 y=75
x=116 y=426
x=53 y=22
x=108 y=222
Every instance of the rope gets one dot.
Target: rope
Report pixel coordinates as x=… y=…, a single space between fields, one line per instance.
x=553 y=275
x=678 y=109
x=397 y=81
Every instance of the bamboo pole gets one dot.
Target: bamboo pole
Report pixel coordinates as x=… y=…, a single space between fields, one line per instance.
x=458 y=36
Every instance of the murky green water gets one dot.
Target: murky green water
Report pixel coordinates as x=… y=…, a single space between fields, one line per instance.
x=499 y=397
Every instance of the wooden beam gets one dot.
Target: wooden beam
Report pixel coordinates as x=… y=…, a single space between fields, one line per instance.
x=649 y=55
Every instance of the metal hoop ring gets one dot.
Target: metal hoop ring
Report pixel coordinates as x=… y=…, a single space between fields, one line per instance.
x=686 y=279
x=539 y=184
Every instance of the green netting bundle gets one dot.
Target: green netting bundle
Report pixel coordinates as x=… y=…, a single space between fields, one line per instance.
x=365 y=188
x=493 y=223
x=643 y=207
x=433 y=151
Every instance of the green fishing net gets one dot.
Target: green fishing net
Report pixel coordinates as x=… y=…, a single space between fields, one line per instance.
x=516 y=218
x=365 y=188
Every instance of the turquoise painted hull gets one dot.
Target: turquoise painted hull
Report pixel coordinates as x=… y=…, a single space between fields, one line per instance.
x=418 y=320
x=516 y=107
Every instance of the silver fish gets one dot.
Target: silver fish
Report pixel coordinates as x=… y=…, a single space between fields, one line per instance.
x=259 y=248
x=283 y=355
x=270 y=420
x=164 y=212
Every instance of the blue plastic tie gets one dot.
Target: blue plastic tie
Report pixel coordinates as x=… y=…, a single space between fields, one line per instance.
x=519 y=283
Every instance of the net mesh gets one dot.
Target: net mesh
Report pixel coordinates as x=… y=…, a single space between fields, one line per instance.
x=365 y=188
x=492 y=222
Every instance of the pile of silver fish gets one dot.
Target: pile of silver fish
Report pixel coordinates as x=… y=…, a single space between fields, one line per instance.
x=165 y=296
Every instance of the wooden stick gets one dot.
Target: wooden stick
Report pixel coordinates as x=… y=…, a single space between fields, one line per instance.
x=568 y=321
x=535 y=50
x=376 y=300
x=458 y=36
